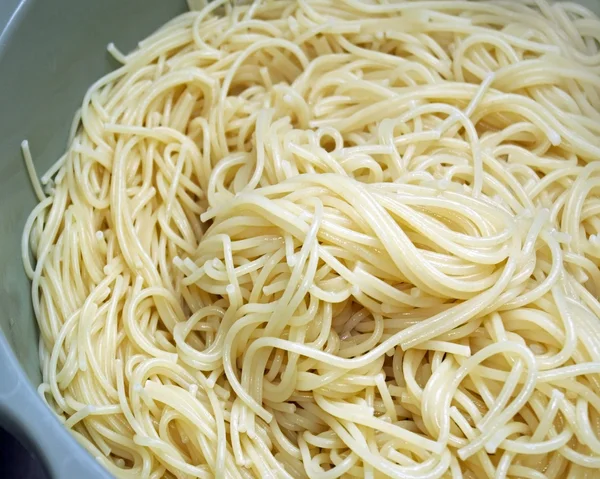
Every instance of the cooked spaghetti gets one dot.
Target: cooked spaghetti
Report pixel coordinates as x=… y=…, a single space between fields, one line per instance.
x=331 y=239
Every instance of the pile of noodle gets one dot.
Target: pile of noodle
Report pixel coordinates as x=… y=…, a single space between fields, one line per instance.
x=328 y=239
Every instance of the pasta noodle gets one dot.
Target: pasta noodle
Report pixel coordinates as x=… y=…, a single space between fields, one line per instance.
x=331 y=239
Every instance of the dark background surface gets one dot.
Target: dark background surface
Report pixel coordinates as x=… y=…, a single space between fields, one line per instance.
x=16 y=461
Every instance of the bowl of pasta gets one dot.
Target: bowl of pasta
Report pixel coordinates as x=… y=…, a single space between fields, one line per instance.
x=301 y=238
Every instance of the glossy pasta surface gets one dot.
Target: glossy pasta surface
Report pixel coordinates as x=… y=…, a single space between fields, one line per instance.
x=330 y=239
